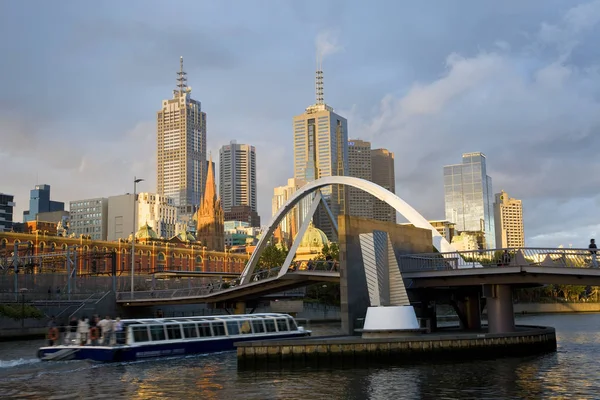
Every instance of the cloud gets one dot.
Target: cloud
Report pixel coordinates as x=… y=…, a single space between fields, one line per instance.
x=538 y=123
x=327 y=44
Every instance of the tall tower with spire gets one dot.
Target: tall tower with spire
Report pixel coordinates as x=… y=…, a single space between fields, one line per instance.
x=320 y=150
x=210 y=217
x=181 y=145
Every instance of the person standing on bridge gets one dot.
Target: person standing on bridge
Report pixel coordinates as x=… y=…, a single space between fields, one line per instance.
x=593 y=248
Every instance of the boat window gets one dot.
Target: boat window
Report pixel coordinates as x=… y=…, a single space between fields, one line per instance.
x=157 y=332
x=270 y=324
x=258 y=326
x=218 y=328
x=293 y=325
x=245 y=327
x=140 y=333
x=233 y=328
x=282 y=325
x=204 y=329
x=189 y=331
x=174 y=331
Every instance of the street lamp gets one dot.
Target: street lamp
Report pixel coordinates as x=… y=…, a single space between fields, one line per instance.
x=135 y=182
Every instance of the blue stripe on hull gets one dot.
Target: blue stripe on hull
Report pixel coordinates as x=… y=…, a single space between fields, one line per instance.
x=126 y=353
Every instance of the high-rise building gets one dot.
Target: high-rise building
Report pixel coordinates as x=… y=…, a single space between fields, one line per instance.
x=243 y=213
x=382 y=170
x=360 y=203
x=7 y=205
x=508 y=213
x=89 y=217
x=290 y=223
x=210 y=217
x=39 y=201
x=237 y=176
x=158 y=212
x=321 y=150
x=469 y=198
x=181 y=141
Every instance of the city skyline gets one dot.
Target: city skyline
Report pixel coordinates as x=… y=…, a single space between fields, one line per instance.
x=468 y=89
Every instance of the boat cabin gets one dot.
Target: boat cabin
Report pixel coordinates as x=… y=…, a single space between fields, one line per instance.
x=210 y=327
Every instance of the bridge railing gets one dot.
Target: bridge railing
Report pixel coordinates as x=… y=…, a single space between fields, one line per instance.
x=219 y=285
x=497 y=258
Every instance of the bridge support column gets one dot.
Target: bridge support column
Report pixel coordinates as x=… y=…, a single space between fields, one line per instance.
x=468 y=309
x=472 y=311
x=240 y=307
x=500 y=313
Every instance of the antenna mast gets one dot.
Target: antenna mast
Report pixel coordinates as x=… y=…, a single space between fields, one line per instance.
x=181 y=78
x=319 y=80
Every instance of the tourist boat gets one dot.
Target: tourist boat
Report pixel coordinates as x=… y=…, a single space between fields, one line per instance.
x=160 y=337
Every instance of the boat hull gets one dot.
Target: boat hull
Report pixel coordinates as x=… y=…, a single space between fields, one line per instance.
x=167 y=349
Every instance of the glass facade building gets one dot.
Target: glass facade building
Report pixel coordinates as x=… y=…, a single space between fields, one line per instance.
x=469 y=199
x=321 y=150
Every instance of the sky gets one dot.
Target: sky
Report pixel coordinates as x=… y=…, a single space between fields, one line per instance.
x=81 y=82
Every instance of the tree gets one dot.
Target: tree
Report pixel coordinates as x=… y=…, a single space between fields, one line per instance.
x=331 y=250
x=272 y=256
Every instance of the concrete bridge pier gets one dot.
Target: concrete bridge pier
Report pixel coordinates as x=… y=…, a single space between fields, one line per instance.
x=468 y=308
x=501 y=318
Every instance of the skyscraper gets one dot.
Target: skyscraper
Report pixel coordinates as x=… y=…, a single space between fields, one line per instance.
x=181 y=141
x=360 y=203
x=237 y=176
x=39 y=202
x=469 y=199
x=320 y=150
x=508 y=213
x=383 y=174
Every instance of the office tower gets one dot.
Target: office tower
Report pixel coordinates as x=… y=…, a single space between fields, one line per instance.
x=237 y=176
x=469 y=198
x=7 y=205
x=39 y=202
x=360 y=203
x=508 y=214
x=89 y=217
x=382 y=170
x=245 y=214
x=210 y=217
x=320 y=150
x=181 y=141
x=158 y=212
x=290 y=223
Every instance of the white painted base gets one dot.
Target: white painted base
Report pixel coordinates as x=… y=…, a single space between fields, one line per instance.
x=391 y=318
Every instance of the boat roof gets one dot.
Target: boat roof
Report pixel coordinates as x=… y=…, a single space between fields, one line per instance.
x=206 y=318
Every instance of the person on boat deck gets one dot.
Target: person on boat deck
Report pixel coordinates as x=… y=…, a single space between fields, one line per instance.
x=71 y=331
x=105 y=326
x=51 y=324
x=93 y=324
x=118 y=329
x=82 y=331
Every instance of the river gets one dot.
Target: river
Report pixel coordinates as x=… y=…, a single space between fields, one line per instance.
x=572 y=372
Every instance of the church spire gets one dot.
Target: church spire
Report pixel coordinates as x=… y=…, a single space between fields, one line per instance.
x=210 y=190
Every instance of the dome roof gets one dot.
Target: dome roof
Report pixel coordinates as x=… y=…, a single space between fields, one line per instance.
x=185 y=236
x=146 y=232
x=314 y=238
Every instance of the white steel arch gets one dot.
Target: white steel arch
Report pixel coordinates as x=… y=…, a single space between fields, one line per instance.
x=439 y=242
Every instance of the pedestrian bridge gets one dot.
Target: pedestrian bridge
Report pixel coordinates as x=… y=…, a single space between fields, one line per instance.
x=522 y=266
x=261 y=283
